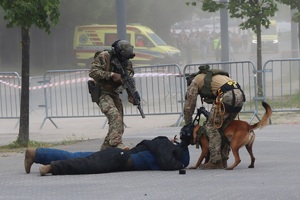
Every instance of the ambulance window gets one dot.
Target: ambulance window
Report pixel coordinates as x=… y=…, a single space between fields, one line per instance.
x=143 y=41
x=110 y=38
x=157 y=39
x=139 y=40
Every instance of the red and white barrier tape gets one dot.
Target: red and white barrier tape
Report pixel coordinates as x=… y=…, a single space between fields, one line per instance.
x=80 y=80
x=5 y=76
x=154 y=74
x=47 y=85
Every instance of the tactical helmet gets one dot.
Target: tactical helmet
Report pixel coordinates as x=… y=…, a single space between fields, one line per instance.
x=186 y=133
x=123 y=49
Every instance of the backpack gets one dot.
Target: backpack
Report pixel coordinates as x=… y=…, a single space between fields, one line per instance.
x=206 y=93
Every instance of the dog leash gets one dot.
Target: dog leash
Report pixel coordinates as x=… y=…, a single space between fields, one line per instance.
x=220 y=110
x=196 y=122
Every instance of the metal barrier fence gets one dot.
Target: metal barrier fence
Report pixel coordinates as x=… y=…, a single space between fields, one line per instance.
x=37 y=100
x=282 y=84
x=244 y=72
x=160 y=88
x=10 y=94
x=66 y=93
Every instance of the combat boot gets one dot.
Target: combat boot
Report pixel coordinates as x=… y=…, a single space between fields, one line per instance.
x=45 y=169
x=210 y=165
x=29 y=159
x=105 y=145
x=224 y=162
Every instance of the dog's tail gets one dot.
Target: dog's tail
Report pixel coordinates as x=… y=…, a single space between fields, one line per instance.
x=265 y=118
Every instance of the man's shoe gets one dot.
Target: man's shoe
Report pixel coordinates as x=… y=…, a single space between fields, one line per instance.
x=45 y=169
x=29 y=159
x=210 y=165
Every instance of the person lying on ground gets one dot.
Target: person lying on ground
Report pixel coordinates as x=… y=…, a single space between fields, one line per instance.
x=159 y=153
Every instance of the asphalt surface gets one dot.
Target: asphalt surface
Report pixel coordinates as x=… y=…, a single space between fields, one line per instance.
x=276 y=174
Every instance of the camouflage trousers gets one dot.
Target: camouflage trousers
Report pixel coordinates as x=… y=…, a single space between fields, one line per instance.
x=217 y=151
x=112 y=108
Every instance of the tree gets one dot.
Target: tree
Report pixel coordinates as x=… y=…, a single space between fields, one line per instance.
x=25 y=14
x=294 y=5
x=254 y=13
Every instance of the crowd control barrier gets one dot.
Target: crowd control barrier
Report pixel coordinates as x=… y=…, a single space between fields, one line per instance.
x=282 y=84
x=10 y=95
x=66 y=93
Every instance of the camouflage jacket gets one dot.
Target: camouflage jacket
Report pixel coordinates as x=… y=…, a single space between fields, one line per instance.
x=100 y=71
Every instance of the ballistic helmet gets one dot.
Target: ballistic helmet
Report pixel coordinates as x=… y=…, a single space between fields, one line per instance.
x=186 y=133
x=123 y=49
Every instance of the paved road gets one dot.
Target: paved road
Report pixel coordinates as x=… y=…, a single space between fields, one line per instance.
x=275 y=176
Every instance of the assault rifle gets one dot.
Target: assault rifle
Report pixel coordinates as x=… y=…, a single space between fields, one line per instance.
x=129 y=85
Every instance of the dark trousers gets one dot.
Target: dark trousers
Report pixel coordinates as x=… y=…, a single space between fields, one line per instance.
x=105 y=161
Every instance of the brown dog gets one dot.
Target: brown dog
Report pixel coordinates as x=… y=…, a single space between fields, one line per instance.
x=239 y=133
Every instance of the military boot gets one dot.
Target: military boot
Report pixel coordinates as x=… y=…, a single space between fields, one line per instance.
x=224 y=162
x=105 y=145
x=45 y=169
x=210 y=165
x=29 y=159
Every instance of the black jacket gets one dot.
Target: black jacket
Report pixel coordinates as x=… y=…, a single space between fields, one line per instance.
x=168 y=156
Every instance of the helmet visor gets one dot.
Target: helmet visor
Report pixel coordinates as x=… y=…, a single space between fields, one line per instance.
x=126 y=51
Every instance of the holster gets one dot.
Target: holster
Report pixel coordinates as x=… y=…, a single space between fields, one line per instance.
x=94 y=90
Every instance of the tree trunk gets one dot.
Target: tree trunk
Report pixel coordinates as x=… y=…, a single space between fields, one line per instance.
x=259 y=63
x=23 y=137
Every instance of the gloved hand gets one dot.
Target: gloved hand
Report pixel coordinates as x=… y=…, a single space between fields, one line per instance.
x=130 y=99
x=116 y=77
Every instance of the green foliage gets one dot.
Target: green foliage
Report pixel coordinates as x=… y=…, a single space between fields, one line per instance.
x=253 y=12
x=212 y=6
x=191 y=3
x=23 y=13
x=296 y=17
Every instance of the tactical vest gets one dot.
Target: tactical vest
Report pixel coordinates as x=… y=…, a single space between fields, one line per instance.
x=206 y=92
x=108 y=86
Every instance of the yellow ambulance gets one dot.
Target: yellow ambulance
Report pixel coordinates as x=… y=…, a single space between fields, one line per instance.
x=149 y=48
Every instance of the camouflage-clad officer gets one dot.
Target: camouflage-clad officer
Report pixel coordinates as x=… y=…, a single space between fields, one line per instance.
x=228 y=99
x=104 y=71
